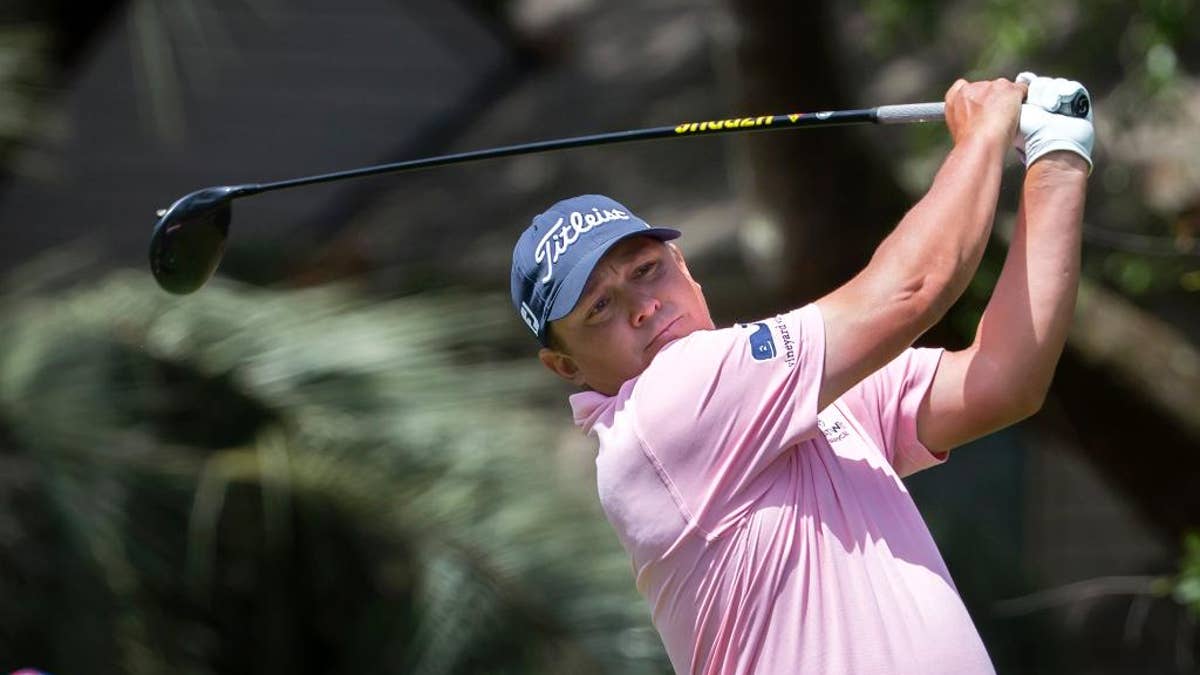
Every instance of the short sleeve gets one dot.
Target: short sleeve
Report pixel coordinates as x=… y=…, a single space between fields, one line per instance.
x=717 y=407
x=886 y=404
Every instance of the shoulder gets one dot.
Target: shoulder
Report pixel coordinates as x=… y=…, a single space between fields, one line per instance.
x=760 y=341
x=729 y=362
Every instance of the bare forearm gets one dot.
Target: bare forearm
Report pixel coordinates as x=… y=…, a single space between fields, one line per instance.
x=916 y=273
x=937 y=246
x=1024 y=326
x=925 y=263
x=1005 y=373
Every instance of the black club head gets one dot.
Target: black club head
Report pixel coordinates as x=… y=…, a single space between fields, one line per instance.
x=189 y=239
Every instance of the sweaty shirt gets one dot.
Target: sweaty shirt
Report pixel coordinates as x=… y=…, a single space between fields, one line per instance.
x=768 y=537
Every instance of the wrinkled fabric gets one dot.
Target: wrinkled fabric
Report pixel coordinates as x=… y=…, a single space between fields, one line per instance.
x=768 y=537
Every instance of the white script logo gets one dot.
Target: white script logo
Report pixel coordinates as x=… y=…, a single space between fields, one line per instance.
x=558 y=238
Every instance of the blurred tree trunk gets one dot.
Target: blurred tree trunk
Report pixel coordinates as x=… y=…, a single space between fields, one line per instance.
x=832 y=199
x=1128 y=387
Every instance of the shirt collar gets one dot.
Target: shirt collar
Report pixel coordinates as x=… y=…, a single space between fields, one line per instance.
x=588 y=407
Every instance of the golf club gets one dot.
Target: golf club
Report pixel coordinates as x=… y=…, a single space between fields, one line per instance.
x=189 y=238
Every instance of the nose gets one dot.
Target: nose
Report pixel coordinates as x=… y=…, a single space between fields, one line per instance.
x=642 y=306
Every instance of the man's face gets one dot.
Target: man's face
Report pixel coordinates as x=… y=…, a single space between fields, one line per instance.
x=639 y=297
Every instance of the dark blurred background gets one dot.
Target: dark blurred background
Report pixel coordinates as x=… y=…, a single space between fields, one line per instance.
x=341 y=455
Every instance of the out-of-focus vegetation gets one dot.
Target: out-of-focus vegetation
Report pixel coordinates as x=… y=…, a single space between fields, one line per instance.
x=23 y=70
x=254 y=481
x=40 y=40
x=1138 y=58
x=1187 y=586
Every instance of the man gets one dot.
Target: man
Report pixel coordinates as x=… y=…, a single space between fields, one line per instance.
x=753 y=473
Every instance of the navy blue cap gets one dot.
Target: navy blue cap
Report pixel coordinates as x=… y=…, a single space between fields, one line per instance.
x=554 y=257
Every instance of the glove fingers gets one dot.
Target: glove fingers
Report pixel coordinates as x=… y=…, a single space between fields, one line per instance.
x=1045 y=125
x=1043 y=93
x=1054 y=94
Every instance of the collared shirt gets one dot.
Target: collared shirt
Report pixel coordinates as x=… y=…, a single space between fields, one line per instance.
x=769 y=537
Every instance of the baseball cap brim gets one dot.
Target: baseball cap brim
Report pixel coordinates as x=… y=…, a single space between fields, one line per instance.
x=572 y=286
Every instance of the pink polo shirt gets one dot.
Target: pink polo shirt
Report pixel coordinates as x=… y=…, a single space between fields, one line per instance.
x=769 y=537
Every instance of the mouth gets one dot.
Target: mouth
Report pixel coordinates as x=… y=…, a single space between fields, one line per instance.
x=662 y=336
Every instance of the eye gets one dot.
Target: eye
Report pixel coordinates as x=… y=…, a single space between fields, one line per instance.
x=644 y=269
x=597 y=307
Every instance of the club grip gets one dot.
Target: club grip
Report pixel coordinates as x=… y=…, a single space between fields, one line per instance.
x=910 y=112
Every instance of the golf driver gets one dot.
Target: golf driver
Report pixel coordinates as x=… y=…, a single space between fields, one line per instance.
x=189 y=237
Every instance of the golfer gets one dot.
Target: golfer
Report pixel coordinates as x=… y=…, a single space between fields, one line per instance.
x=753 y=473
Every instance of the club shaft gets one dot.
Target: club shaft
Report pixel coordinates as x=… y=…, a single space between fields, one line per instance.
x=895 y=114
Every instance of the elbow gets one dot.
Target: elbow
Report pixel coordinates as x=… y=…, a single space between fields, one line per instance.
x=926 y=297
x=1029 y=404
x=1011 y=392
x=1026 y=398
x=921 y=288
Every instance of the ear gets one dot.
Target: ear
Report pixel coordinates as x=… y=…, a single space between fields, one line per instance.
x=562 y=365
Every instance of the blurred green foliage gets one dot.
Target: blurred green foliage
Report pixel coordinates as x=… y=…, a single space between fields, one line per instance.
x=256 y=481
x=1187 y=584
x=1141 y=61
x=24 y=68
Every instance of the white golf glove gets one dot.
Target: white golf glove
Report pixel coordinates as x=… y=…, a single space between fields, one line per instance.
x=1045 y=126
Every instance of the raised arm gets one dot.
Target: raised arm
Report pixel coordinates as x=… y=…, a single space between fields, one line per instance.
x=1004 y=375
x=923 y=266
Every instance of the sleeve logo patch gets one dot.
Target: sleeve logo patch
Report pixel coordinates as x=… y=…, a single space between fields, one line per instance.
x=762 y=343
